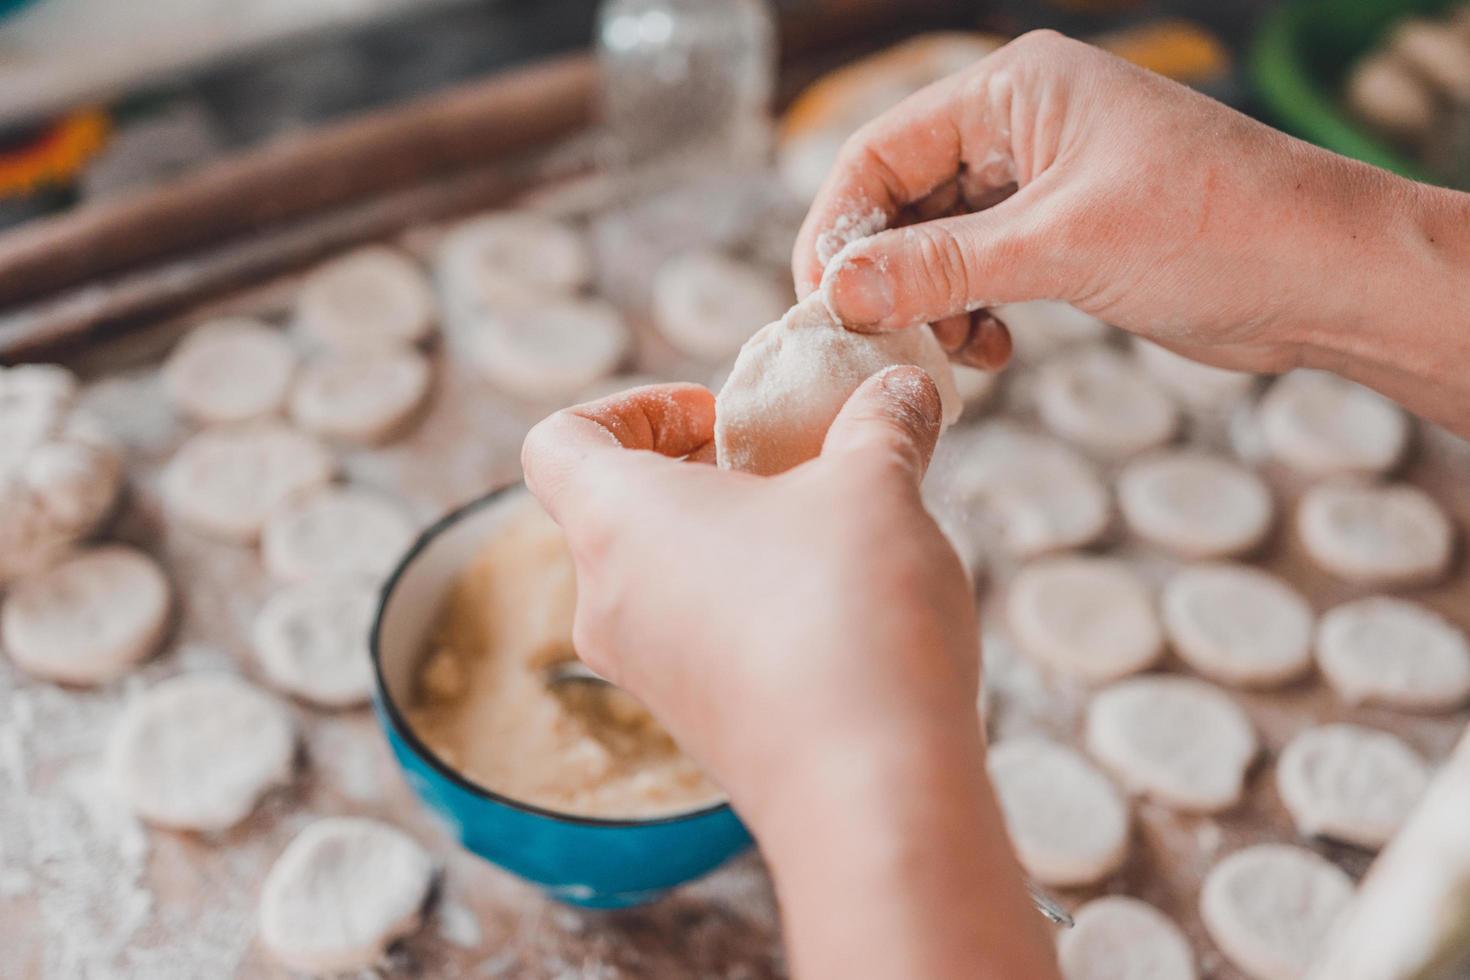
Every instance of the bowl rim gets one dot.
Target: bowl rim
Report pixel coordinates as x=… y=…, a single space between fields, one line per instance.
x=405 y=731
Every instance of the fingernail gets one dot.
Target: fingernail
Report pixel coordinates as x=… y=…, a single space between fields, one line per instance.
x=914 y=388
x=858 y=292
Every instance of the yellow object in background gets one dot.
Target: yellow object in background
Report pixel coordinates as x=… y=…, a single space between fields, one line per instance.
x=1179 y=49
x=55 y=156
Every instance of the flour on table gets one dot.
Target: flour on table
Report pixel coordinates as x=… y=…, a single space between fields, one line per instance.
x=1391 y=534
x=1350 y=783
x=198 y=751
x=1121 y=938
x=1321 y=424
x=543 y=346
x=1068 y=823
x=341 y=893
x=1202 y=387
x=1268 y=908
x=1180 y=742
x=335 y=533
x=525 y=249
x=366 y=398
x=88 y=618
x=708 y=304
x=1042 y=327
x=1396 y=653
x=1098 y=399
x=1194 y=504
x=1238 y=625
x=313 y=642
x=230 y=370
x=369 y=299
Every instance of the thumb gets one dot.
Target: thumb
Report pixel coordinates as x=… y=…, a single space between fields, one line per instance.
x=893 y=418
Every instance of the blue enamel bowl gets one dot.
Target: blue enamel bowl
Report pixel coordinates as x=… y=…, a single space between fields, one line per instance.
x=591 y=862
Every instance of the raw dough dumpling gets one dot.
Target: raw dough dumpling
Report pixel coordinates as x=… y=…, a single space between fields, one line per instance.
x=1321 y=424
x=1238 y=625
x=365 y=398
x=975 y=386
x=1068 y=823
x=793 y=377
x=89 y=618
x=1377 y=535
x=1391 y=97
x=1269 y=907
x=1041 y=327
x=1200 y=386
x=1437 y=52
x=1121 y=938
x=341 y=893
x=226 y=482
x=1090 y=618
x=1098 y=399
x=542 y=346
x=231 y=370
x=369 y=299
x=528 y=250
x=313 y=642
x=60 y=472
x=198 y=751
x=1179 y=741
x=707 y=304
x=1195 y=505
x=335 y=533
x=1396 y=653
x=1350 y=783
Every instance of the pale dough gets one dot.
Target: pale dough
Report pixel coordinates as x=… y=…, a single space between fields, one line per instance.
x=1350 y=783
x=1390 y=96
x=1391 y=534
x=522 y=248
x=708 y=304
x=1195 y=505
x=1437 y=52
x=88 y=618
x=793 y=377
x=369 y=299
x=198 y=751
x=60 y=472
x=341 y=893
x=1179 y=741
x=1090 y=618
x=335 y=533
x=541 y=346
x=1269 y=907
x=1200 y=386
x=1098 y=399
x=975 y=386
x=225 y=482
x=1042 y=327
x=230 y=370
x=365 y=398
x=1067 y=822
x=1394 y=652
x=1321 y=424
x=1238 y=625
x=313 y=642
x=1121 y=938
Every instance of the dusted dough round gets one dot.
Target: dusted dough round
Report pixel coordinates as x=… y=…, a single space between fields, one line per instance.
x=1097 y=398
x=198 y=751
x=1121 y=938
x=1200 y=386
x=708 y=304
x=313 y=642
x=793 y=377
x=1321 y=424
x=1238 y=625
x=1391 y=97
x=231 y=370
x=1195 y=505
x=364 y=398
x=1179 y=741
x=341 y=893
x=372 y=298
x=334 y=533
x=524 y=249
x=1067 y=822
x=1269 y=907
x=1394 y=652
x=543 y=347
x=89 y=618
x=1350 y=783
x=1042 y=327
x=1392 y=534
x=1090 y=618
x=226 y=482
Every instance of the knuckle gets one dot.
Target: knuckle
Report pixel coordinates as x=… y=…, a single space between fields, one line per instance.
x=943 y=261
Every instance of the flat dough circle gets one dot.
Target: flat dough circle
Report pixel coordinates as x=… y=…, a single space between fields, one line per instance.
x=1238 y=625
x=1393 y=534
x=522 y=248
x=1068 y=823
x=708 y=304
x=89 y=618
x=341 y=893
x=363 y=398
x=335 y=533
x=226 y=482
x=1042 y=327
x=1321 y=424
x=1100 y=400
x=1090 y=618
x=1202 y=387
x=793 y=377
x=1394 y=652
x=541 y=346
x=1121 y=938
x=313 y=642
x=1350 y=783
x=369 y=299
x=1269 y=907
x=1179 y=741
x=1195 y=505
x=198 y=751
x=231 y=370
